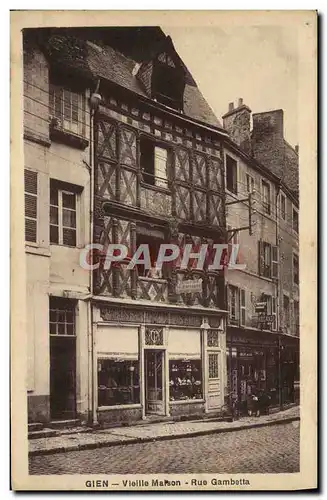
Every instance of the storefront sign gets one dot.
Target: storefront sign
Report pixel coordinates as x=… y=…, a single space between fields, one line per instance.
x=189 y=286
x=266 y=318
x=260 y=307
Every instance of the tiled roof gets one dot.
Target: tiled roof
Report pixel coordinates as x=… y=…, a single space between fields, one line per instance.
x=290 y=175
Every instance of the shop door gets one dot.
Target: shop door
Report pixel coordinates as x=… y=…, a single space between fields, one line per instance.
x=62 y=377
x=214 y=380
x=154 y=381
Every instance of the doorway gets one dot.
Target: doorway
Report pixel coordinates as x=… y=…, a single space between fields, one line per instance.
x=154 y=382
x=62 y=377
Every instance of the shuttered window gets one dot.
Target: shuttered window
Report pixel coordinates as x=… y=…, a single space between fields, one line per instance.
x=267 y=260
x=30 y=183
x=242 y=308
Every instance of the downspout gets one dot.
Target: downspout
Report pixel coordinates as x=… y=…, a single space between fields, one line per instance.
x=278 y=305
x=95 y=98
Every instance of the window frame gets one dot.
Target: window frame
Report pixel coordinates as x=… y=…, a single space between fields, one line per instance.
x=266 y=205
x=234 y=320
x=57 y=93
x=267 y=270
x=283 y=214
x=250 y=181
x=60 y=191
x=234 y=189
x=35 y=195
x=242 y=295
x=295 y=210
x=296 y=255
x=155 y=144
x=62 y=310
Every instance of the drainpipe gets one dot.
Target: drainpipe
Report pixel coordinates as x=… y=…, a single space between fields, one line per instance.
x=94 y=102
x=278 y=305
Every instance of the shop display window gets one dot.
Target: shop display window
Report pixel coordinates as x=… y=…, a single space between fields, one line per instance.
x=185 y=379
x=118 y=382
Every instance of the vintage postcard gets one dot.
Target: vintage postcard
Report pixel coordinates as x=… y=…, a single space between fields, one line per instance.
x=163 y=250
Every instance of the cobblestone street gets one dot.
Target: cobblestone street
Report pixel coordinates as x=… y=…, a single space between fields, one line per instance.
x=272 y=449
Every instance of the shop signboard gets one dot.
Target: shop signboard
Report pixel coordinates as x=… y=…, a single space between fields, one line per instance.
x=266 y=318
x=189 y=286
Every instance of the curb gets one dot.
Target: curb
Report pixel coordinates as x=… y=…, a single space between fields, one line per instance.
x=103 y=444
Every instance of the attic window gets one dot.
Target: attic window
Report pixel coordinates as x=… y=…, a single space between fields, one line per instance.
x=168 y=82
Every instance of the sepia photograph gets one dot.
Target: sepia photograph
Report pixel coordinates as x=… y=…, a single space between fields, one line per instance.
x=161 y=226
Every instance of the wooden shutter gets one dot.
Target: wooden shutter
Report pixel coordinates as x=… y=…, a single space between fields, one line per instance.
x=30 y=181
x=274 y=313
x=242 y=307
x=260 y=258
x=274 y=262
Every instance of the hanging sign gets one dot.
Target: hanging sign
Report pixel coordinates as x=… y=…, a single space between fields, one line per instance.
x=189 y=286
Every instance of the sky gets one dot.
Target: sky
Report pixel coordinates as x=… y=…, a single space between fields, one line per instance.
x=257 y=63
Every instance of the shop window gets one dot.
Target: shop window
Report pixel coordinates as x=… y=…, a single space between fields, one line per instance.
x=62 y=316
x=295 y=269
x=185 y=379
x=63 y=215
x=266 y=197
x=268 y=260
x=67 y=108
x=30 y=198
x=295 y=220
x=118 y=382
x=231 y=174
x=154 y=163
x=282 y=206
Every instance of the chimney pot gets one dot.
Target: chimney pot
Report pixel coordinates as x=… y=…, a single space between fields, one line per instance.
x=230 y=106
x=297 y=148
x=240 y=102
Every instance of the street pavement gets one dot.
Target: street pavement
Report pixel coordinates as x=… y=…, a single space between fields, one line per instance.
x=271 y=449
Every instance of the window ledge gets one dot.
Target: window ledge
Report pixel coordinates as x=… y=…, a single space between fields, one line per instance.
x=156 y=188
x=120 y=407
x=68 y=138
x=186 y=401
x=36 y=250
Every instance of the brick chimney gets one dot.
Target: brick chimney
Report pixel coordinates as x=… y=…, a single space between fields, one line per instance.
x=268 y=145
x=237 y=123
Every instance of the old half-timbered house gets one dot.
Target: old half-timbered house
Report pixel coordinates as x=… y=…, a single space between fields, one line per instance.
x=136 y=157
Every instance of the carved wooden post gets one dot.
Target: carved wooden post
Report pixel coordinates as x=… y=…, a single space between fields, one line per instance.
x=134 y=270
x=115 y=270
x=172 y=281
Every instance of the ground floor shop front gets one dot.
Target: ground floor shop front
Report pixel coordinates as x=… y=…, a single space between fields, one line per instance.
x=158 y=363
x=260 y=362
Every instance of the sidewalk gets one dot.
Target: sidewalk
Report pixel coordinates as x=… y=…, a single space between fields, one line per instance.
x=74 y=441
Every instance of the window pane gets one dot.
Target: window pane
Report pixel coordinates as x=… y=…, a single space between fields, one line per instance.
x=213 y=366
x=54 y=215
x=69 y=218
x=54 y=234
x=69 y=237
x=70 y=329
x=61 y=329
x=74 y=107
x=118 y=382
x=53 y=316
x=69 y=201
x=53 y=329
x=67 y=106
x=185 y=379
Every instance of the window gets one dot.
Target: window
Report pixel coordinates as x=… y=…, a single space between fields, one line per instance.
x=68 y=108
x=295 y=220
x=118 y=382
x=62 y=216
x=295 y=269
x=233 y=305
x=268 y=260
x=270 y=312
x=233 y=239
x=30 y=196
x=286 y=312
x=213 y=371
x=266 y=202
x=152 y=242
x=231 y=174
x=283 y=206
x=62 y=316
x=154 y=163
x=296 y=308
x=168 y=81
x=185 y=379
x=242 y=308
x=249 y=183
